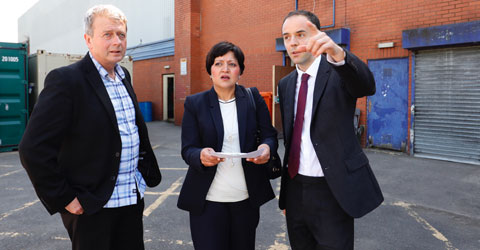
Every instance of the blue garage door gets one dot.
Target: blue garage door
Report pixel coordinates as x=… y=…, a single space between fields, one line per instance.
x=387 y=110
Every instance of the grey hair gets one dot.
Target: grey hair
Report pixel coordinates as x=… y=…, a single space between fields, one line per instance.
x=105 y=10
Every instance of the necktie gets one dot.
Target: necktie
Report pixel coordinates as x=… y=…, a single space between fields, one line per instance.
x=294 y=156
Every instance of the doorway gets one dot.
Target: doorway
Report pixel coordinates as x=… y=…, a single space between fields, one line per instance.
x=278 y=73
x=168 y=97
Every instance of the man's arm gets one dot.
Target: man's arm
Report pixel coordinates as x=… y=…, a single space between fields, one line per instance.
x=41 y=142
x=356 y=77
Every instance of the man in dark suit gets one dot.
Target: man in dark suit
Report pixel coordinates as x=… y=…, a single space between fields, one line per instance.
x=86 y=147
x=328 y=181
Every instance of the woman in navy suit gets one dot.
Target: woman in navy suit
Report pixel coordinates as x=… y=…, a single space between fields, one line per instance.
x=224 y=195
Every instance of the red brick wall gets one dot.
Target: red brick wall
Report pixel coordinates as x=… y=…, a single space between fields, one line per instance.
x=254 y=25
x=148 y=82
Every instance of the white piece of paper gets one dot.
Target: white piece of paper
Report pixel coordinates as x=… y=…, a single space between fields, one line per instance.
x=252 y=154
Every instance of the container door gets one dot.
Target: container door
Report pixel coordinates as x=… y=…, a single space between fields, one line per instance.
x=387 y=110
x=13 y=95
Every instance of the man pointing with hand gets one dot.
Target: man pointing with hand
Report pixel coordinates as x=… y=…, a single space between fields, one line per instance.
x=327 y=180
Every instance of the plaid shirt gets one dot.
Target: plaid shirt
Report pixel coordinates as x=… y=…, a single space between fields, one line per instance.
x=129 y=178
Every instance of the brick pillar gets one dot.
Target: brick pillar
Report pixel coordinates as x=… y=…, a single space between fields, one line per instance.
x=187 y=45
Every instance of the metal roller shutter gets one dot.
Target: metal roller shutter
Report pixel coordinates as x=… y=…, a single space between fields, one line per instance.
x=447 y=104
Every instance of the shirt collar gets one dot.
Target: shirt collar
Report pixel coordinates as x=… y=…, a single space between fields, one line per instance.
x=103 y=72
x=312 y=70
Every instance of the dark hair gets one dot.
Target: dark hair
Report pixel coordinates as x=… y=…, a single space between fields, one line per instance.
x=309 y=15
x=221 y=49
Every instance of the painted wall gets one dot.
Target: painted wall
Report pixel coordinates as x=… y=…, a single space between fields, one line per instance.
x=57 y=25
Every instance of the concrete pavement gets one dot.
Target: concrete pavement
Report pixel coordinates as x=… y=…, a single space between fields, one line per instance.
x=429 y=205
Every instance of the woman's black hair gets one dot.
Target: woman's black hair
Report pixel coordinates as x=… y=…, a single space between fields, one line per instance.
x=221 y=49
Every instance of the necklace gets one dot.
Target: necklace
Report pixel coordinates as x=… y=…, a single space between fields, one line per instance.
x=229 y=119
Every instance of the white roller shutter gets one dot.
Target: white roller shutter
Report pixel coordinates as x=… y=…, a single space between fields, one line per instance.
x=447 y=104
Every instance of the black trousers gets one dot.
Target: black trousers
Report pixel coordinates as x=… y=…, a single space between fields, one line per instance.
x=110 y=228
x=225 y=226
x=315 y=220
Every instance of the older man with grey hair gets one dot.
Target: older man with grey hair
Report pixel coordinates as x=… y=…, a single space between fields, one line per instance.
x=86 y=147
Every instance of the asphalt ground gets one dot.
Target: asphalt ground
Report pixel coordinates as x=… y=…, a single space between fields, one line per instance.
x=429 y=205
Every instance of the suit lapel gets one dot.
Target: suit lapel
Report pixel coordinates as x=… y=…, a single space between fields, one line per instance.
x=290 y=103
x=242 y=105
x=320 y=83
x=93 y=78
x=216 y=117
x=131 y=93
x=129 y=88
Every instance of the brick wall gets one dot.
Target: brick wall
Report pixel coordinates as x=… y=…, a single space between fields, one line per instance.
x=187 y=27
x=148 y=82
x=254 y=25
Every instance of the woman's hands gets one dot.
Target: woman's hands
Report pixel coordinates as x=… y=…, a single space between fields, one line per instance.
x=264 y=157
x=207 y=159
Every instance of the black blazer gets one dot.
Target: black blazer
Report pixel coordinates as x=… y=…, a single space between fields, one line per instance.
x=202 y=126
x=346 y=168
x=71 y=146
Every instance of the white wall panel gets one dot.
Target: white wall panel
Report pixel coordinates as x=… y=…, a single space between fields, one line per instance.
x=57 y=25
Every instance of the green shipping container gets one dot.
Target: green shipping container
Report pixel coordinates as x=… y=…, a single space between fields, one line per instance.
x=13 y=94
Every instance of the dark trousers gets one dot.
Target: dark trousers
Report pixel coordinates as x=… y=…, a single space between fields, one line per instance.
x=315 y=220
x=110 y=228
x=225 y=226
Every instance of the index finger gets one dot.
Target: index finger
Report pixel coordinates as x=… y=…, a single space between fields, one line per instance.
x=312 y=28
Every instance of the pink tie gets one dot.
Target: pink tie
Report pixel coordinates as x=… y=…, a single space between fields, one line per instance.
x=294 y=157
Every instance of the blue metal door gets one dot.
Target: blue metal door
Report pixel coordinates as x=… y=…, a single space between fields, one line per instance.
x=387 y=110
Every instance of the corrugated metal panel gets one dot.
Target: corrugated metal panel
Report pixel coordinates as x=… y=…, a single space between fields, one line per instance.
x=447 y=104
x=152 y=50
x=42 y=62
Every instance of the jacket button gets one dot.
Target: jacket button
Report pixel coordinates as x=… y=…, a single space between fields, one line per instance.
x=117 y=154
x=113 y=177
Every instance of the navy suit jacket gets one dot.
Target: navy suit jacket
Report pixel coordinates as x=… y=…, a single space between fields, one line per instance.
x=202 y=127
x=346 y=167
x=71 y=146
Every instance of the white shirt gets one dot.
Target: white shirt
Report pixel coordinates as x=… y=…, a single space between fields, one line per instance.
x=229 y=183
x=309 y=163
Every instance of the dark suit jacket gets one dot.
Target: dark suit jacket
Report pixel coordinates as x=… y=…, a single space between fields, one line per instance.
x=346 y=168
x=71 y=146
x=202 y=127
